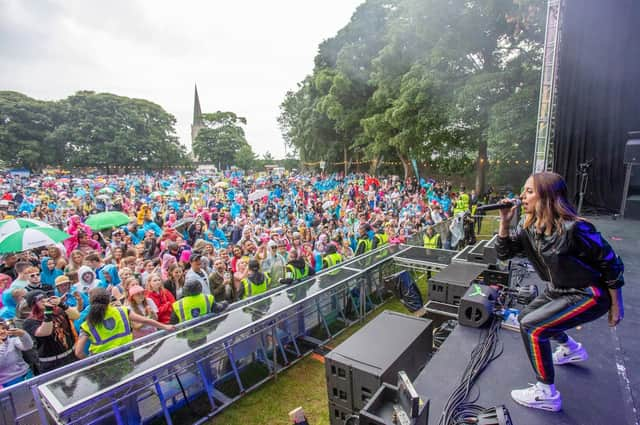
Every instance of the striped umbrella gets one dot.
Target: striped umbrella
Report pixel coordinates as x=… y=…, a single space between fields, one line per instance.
x=13 y=225
x=34 y=237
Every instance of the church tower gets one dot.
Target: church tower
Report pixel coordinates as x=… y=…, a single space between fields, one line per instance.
x=197 y=124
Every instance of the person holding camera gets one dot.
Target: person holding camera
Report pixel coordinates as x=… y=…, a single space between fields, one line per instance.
x=13 y=342
x=49 y=323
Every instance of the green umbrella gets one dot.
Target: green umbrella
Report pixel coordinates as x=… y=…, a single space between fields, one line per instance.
x=34 y=237
x=107 y=191
x=9 y=226
x=107 y=220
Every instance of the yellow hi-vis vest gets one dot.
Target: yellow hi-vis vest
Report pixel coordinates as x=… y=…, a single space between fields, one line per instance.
x=368 y=245
x=296 y=273
x=431 y=242
x=382 y=238
x=332 y=259
x=193 y=306
x=252 y=288
x=462 y=204
x=114 y=331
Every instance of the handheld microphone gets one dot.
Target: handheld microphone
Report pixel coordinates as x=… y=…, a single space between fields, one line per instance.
x=500 y=206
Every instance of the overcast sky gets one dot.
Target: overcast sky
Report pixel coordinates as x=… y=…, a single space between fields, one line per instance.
x=244 y=54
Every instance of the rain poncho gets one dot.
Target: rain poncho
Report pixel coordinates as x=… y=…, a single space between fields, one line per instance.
x=48 y=277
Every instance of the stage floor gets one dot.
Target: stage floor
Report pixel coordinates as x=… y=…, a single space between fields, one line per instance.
x=600 y=391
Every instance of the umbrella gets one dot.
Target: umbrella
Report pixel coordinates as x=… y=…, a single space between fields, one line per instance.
x=107 y=191
x=171 y=193
x=107 y=220
x=34 y=237
x=223 y=185
x=9 y=226
x=180 y=224
x=260 y=193
x=155 y=194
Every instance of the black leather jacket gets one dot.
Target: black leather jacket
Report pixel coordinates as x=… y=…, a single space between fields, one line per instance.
x=574 y=259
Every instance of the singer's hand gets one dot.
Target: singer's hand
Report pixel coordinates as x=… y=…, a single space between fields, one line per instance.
x=506 y=214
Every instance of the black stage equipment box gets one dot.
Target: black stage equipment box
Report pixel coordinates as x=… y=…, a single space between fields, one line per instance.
x=380 y=409
x=476 y=306
x=375 y=354
x=632 y=148
x=452 y=282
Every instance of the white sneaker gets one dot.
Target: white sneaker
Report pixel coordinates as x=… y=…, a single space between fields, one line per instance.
x=563 y=355
x=538 y=398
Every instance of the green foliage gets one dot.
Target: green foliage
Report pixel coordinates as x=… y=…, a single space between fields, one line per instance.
x=87 y=129
x=435 y=81
x=245 y=158
x=220 y=139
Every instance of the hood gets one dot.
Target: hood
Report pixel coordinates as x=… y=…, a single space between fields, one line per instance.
x=7 y=299
x=48 y=276
x=86 y=269
x=112 y=271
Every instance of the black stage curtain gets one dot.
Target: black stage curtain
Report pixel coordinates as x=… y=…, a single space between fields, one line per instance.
x=598 y=95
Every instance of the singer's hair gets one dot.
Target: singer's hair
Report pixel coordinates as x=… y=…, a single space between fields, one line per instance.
x=553 y=208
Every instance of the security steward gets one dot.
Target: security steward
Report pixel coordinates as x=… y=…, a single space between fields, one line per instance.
x=431 y=239
x=364 y=243
x=380 y=237
x=296 y=270
x=194 y=303
x=107 y=326
x=331 y=256
x=462 y=203
x=256 y=282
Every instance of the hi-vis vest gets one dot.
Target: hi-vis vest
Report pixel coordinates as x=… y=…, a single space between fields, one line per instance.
x=193 y=306
x=252 y=288
x=332 y=259
x=296 y=273
x=462 y=204
x=114 y=331
x=382 y=238
x=368 y=245
x=431 y=242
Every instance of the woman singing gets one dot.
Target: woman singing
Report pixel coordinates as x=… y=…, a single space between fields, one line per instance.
x=584 y=278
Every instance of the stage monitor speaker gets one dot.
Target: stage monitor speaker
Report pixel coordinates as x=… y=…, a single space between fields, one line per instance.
x=632 y=148
x=476 y=306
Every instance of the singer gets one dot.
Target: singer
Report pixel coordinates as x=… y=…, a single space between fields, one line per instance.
x=584 y=279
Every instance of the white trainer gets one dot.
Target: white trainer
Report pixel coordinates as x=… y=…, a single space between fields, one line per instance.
x=538 y=397
x=564 y=355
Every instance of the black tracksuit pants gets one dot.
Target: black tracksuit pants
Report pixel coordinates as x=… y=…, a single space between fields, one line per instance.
x=552 y=313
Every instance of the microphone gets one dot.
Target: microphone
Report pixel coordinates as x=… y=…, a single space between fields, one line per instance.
x=500 y=206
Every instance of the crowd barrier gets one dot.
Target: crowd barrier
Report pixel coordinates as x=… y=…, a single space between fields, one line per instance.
x=211 y=356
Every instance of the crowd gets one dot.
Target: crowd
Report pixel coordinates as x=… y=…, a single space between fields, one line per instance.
x=191 y=245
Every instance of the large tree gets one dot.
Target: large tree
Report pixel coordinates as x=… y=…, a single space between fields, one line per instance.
x=220 y=139
x=24 y=126
x=87 y=129
x=444 y=83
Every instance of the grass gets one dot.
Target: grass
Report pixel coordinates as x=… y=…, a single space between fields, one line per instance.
x=303 y=384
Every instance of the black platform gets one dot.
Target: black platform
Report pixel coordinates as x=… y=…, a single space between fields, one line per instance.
x=599 y=391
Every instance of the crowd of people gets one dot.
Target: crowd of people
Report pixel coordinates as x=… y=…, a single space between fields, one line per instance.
x=193 y=244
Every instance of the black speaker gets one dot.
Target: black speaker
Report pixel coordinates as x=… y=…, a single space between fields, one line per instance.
x=476 y=306
x=632 y=148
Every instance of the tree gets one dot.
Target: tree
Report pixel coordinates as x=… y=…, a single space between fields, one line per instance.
x=245 y=158
x=24 y=125
x=421 y=79
x=220 y=139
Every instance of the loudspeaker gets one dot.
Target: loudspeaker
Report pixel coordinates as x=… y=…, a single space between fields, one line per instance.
x=476 y=306
x=632 y=148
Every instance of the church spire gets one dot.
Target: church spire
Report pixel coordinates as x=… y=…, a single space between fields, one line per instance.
x=197 y=117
